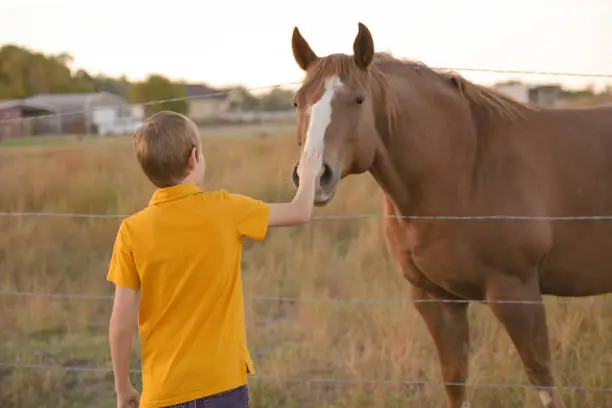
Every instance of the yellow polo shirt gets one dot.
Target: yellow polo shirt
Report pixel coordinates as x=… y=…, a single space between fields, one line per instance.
x=183 y=252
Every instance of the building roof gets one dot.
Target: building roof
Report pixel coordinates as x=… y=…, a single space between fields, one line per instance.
x=66 y=101
x=23 y=103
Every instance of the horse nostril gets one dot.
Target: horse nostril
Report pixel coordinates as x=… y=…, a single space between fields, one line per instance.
x=295 y=177
x=327 y=175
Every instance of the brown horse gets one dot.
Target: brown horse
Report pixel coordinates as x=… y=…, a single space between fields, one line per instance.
x=439 y=145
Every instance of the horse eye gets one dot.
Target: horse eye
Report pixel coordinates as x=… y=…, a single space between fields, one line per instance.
x=359 y=100
x=295 y=104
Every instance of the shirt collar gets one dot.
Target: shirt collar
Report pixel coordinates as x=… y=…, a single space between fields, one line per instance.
x=172 y=193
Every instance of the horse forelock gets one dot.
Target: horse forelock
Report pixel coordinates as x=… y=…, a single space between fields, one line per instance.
x=343 y=66
x=339 y=65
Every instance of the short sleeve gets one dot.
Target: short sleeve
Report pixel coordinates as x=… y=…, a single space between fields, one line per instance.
x=251 y=216
x=122 y=270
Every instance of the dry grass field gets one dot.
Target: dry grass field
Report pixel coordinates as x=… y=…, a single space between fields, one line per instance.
x=330 y=258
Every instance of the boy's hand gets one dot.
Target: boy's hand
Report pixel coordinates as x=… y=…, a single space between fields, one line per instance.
x=127 y=398
x=299 y=209
x=310 y=164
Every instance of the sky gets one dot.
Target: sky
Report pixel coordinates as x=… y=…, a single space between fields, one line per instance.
x=248 y=42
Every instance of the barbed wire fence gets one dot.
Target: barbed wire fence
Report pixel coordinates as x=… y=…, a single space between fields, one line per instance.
x=589 y=301
x=321 y=380
x=93 y=297
x=329 y=380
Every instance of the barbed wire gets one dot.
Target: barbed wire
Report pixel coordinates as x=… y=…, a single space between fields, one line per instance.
x=528 y=72
x=336 y=301
x=330 y=380
x=227 y=92
x=588 y=300
x=344 y=216
x=55 y=295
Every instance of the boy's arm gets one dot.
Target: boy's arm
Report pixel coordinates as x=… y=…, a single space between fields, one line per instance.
x=123 y=323
x=253 y=217
x=298 y=211
x=124 y=318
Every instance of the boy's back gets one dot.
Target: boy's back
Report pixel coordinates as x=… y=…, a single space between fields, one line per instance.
x=183 y=254
x=186 y=248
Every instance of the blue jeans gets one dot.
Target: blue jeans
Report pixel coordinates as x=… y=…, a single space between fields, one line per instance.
x=236 y=398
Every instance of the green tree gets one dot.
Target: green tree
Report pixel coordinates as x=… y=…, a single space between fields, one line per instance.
x=277 y=99
x=249 y=101
x=158 y=87
x=83 y=82
x=580 y=93
x=25 y=73
x=118 y=86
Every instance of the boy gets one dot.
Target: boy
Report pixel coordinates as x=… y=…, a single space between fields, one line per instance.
x=183 y=254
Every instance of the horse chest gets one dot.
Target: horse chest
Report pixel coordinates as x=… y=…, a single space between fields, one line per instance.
x=425 y=259
x=455 y=259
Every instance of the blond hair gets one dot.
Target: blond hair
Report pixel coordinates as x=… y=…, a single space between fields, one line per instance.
x=163 y=144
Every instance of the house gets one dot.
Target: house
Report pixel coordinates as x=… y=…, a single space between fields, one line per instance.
x=545 y=95
x=542 y=95
x=205 y=104
x=90 y=113
x=17 y=119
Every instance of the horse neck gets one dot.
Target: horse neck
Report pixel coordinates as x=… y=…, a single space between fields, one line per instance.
x=425 y=157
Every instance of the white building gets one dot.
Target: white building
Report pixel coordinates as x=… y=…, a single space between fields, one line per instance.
x=542 y=95
x=91 y=113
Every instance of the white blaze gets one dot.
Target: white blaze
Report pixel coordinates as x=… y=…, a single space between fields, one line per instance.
x=465 y=404
x=320 y=115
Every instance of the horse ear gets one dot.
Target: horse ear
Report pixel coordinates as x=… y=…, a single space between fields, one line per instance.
x=303 y=54
x=363 y=47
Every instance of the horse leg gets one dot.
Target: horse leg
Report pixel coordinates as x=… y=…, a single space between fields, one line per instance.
x=449 y=327
x=526 y=325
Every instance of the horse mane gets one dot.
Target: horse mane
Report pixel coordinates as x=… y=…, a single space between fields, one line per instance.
x=491 y=100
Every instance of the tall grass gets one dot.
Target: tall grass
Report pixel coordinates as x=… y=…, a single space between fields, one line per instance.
x=325 y=259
